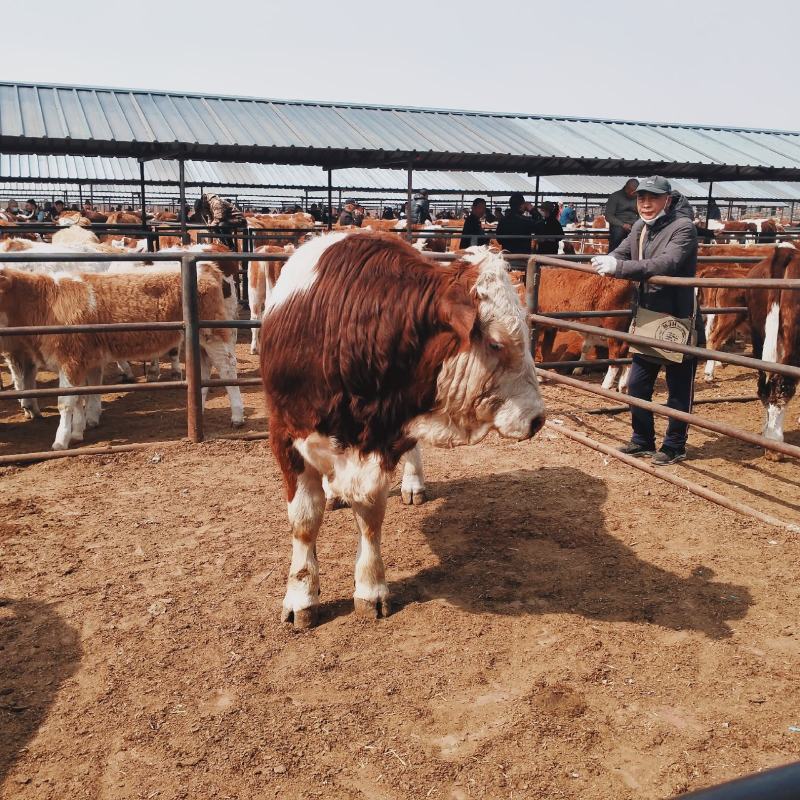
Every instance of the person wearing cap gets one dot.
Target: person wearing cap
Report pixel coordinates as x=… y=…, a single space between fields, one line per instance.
x=668 y=239
x=347 y=217
x=421 y=210
x=472 y=233
x=221 y=214
x=515 y=229
x=621 y=213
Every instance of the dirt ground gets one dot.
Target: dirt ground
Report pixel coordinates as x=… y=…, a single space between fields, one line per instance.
x=565 y=626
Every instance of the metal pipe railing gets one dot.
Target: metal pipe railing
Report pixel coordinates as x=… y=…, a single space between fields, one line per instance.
x=697 y=352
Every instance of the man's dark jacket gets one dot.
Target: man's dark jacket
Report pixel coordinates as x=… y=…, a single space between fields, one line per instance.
x=669 y=248
x=515 y=225
x=472 y=232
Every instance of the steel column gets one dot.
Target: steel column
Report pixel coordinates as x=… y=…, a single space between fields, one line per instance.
x=194 y=380
x=532 y=279
x=330 y=198
x=708 y=202
x=182 y=194
x=536 y=194
x=144 y=213
x=409 y=196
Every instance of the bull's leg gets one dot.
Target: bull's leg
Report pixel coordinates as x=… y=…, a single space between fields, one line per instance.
x=256 y=298
x=153 y=371
x=412 y=489
x=94 y=403
x=30 y=405
x=305 y=516
x=623 y=381
x=586 y=349
x=127 y=372
x=23 y=374
x=223 y=357
x=371 y=596
x=205 y=373
x=175 y=372
x=72 y=420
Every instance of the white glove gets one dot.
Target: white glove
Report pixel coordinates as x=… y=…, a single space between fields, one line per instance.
x=605 y=265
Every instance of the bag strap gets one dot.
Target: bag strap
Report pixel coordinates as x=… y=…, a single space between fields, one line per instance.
x=641 y=241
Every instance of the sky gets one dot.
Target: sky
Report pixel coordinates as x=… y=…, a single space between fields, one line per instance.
x=713 y=62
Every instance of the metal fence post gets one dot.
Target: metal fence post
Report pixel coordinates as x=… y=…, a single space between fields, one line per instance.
x=532 y=278
x=194 y=380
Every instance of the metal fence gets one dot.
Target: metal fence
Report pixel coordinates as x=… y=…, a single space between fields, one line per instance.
x=191 y=325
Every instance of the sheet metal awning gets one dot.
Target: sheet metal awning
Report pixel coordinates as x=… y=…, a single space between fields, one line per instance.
x=83 y=120
x=19 y=171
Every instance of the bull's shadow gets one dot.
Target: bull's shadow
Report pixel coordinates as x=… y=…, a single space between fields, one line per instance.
x=535 y=542
x=38 y=652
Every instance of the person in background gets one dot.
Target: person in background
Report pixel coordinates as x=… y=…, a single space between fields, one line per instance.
x=662 y=242
x=347 y=217
x=388 y=213
x=472 y=232
x=421 y=210
x=13 y=210
x=221 y=214
x=621 y=213
x=498 y=213
x=515 y=229
x=568 y=215
x=315 y=212
x=489 y=217
x=32 y=212
x=359 y=212
x=548 y=226
x=714 y=211
x=58 y=209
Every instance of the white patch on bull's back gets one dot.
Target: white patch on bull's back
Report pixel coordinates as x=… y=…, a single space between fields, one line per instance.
x=771 y=328
x=299 y=271
x=60 y=276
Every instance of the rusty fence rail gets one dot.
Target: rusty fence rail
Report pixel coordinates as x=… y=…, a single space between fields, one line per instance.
x=191 y=325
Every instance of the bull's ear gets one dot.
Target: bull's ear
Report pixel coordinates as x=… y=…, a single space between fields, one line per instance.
x=459 y=309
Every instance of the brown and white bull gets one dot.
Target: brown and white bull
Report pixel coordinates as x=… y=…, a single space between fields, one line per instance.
x=150 y=293
x=366 y=349
x=775 y=323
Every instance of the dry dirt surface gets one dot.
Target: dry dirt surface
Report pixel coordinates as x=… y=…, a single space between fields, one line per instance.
x=564 y=626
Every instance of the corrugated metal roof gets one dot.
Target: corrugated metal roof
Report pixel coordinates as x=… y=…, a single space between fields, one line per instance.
x=125 y=171
x=80 y=120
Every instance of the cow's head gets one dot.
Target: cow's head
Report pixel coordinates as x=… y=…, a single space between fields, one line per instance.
x=490 y=383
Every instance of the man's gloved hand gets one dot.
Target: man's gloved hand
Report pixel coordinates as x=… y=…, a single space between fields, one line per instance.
x=605 y=265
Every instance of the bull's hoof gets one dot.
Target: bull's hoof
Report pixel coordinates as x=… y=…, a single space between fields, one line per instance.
x=372 y=609
x=417 y=497
x=771 y=455
x=335 y=503
x=29 y=414
x=59 y=446
x=237 y=423
x=253 y=351
x=303 y=619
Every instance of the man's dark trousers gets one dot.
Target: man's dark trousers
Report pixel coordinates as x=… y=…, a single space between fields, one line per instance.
x=680 y=386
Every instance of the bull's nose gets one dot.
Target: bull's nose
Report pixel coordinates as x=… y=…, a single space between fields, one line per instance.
x=537 y=423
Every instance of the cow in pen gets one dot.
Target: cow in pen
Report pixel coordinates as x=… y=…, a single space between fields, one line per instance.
x=366 y=349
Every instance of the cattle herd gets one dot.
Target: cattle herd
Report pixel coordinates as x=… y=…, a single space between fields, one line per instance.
x=45 y=292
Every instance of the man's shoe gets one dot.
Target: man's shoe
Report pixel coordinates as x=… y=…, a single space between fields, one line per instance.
x=633 y=449
x=666 y=455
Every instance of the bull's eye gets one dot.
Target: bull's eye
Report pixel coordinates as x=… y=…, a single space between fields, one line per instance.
x=495 y=345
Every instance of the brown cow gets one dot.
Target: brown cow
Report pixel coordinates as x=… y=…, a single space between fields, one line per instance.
x=150 y=293
x=367 y=347
x=262 y=277
x=297 y=227
x=570 y=290
x=775 y=323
